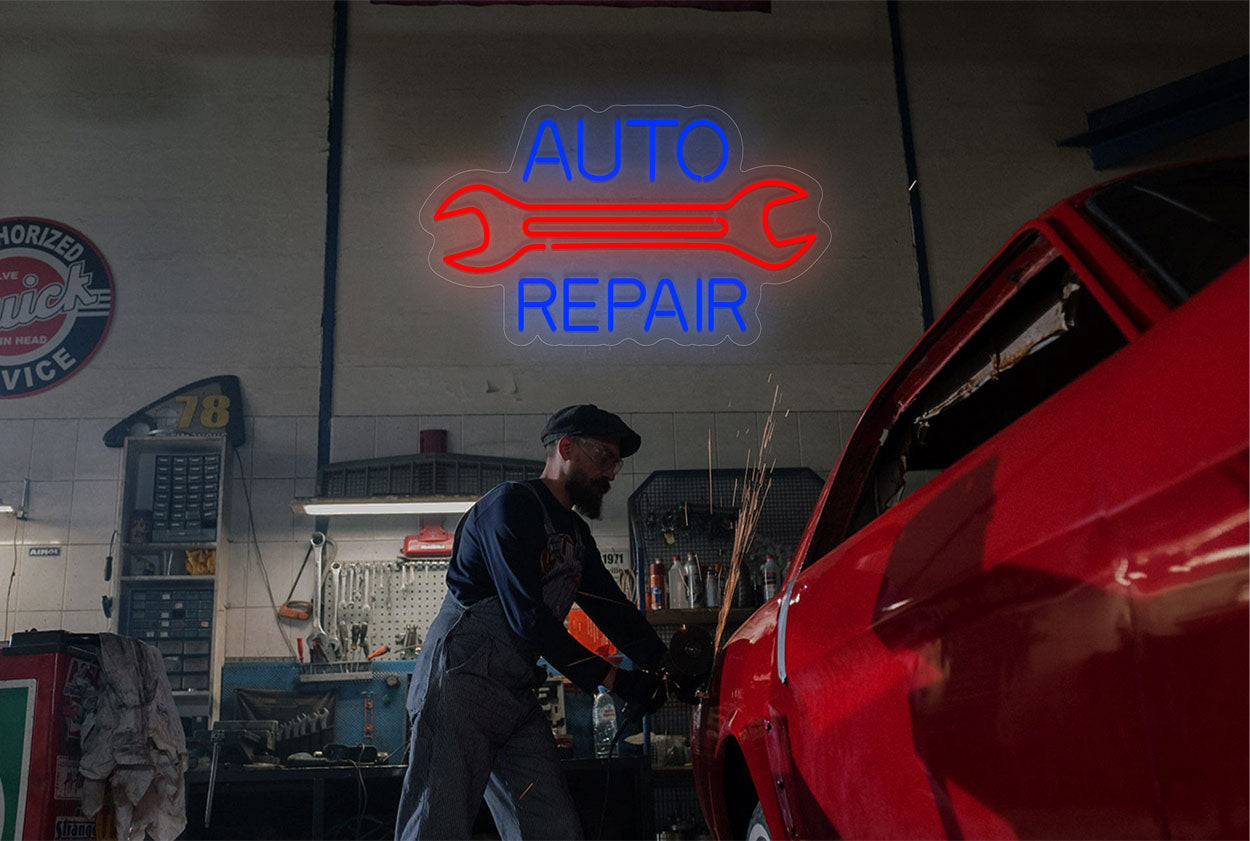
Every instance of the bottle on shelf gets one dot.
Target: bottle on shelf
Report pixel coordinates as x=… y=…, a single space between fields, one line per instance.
x=603 y=721
x=744 y=595
x=677 y=595
x=694 y=580
x=757 y=583
x=772 y=576
x=711 y=588
x=656 y=595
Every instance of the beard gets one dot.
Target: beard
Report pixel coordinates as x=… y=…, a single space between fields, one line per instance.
x=587 y=495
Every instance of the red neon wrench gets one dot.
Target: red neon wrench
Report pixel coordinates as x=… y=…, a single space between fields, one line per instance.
x=512 y=228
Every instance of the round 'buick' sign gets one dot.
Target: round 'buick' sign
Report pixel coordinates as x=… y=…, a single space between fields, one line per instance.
x=56 y=302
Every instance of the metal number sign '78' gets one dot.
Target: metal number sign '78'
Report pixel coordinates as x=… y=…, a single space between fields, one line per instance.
x=634 y=223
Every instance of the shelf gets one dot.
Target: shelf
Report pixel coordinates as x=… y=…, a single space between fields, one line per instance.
x=149 y=548
x=698 y=616
x=168 y=578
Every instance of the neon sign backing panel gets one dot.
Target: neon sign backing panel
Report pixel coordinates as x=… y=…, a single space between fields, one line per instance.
x=632 y=223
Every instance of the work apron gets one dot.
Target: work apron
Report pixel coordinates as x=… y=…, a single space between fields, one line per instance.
x=477 y=726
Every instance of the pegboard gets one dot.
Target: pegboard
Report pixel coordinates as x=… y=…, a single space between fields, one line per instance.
x=402 y=594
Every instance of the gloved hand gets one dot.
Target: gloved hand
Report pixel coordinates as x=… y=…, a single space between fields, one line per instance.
x=644 y=692
x=685 y=687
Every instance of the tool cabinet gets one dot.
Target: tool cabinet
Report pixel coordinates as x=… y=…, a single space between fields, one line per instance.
x=171 y=564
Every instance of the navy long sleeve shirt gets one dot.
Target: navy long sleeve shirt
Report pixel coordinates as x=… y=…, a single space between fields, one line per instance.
x=498 y=550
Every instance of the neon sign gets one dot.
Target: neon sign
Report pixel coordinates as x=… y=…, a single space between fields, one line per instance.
x=627 y=224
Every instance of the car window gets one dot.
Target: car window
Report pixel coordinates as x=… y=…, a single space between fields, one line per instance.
x=1042 y=338
x=1184 y=226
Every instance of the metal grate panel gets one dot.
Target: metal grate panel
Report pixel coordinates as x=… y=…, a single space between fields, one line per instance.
x=669 y=514
x=421 y=474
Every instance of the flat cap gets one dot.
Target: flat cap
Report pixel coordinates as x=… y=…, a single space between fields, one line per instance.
x=586 y=420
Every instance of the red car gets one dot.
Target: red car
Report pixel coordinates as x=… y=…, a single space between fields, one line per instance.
x=1020 y=607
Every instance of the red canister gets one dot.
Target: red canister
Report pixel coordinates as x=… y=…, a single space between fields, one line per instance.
x=656 y=600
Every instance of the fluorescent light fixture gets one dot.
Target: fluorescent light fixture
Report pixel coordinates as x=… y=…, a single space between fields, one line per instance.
x=383 y=505
x=18 y=510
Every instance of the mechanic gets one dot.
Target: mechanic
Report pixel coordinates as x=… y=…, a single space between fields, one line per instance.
x=521 y=557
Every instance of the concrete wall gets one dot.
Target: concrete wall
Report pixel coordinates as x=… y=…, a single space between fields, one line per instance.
x=188 y=141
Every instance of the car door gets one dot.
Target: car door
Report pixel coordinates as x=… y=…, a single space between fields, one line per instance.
x=957 y=660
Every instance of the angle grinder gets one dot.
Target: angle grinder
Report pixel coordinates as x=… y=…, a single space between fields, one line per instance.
x=685 y=669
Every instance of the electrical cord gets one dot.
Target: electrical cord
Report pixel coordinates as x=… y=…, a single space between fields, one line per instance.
x=8 y=596
x=607 y=773
x=362 y=797
x=260 y=563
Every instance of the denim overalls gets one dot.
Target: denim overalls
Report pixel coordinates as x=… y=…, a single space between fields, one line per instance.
x=477 y=726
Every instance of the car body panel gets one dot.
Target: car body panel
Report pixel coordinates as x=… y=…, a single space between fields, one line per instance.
x=1037 y=641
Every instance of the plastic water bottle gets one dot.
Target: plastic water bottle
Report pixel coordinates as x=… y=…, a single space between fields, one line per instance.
x=603 y=720
x=677 y=596
x=772 y=576
x=694 y=580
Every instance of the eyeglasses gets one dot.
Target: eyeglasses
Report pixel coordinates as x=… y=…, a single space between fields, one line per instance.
x=606 y=459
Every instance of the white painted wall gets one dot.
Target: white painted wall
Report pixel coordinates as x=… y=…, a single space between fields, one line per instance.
x=188 y=141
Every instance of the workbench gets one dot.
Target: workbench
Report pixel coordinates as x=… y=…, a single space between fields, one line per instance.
x=348 y=801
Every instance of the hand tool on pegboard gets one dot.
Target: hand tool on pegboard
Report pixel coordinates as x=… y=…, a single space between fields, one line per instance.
x=300 y=611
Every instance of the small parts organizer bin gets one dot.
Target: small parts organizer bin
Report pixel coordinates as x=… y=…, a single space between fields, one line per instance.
x=178 y=621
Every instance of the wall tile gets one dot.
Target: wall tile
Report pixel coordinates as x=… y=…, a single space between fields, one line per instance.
x=15 y=449
x=242 y=455
x=305 y=486
x=279 y=564
x=235 y=620
x=236 y=578
x=264 y=637
x=93 y=514
x=690 y=434
x=521 y=436
x=84 y=576
x=396 y=436
x=48 y=519
x=93 y=460
x=783 y=446
x=737 y=440
x=658 y=450
x=481 y=435
x=274 y=448
x=368 y=550
x=40 y=583
x=54 y=449
x=43 y=620
x=820 y=440
x=85 y=621
x=352 y=438
x=305 y=446
x=271 y=510
x=350 y=528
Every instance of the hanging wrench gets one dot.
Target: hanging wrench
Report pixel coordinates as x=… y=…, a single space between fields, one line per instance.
x=365 y=574
x=318 y=541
